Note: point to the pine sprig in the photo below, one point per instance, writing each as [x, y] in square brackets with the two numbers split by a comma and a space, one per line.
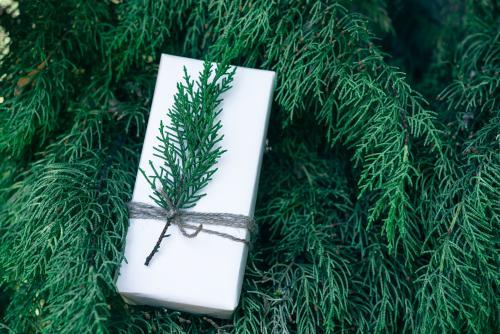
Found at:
[190, 145]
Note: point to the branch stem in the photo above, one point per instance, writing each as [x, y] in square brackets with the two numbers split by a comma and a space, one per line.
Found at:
[158, 243]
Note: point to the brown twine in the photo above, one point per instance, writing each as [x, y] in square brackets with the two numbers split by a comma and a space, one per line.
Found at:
[188, 220]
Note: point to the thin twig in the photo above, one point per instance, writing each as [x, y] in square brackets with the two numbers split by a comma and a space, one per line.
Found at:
[158, 243]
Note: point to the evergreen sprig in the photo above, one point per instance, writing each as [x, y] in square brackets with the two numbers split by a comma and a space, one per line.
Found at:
[189, 145]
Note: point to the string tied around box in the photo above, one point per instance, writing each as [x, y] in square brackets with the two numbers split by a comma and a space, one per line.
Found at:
[189, 220]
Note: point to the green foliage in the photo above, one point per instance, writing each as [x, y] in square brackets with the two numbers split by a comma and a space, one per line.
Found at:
[378, 204]
[190, 145]
[458, 286]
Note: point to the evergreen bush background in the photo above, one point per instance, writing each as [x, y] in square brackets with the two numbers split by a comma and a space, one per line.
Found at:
[379, 197]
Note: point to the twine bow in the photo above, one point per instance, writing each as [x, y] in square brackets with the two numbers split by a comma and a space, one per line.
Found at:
[188, 220]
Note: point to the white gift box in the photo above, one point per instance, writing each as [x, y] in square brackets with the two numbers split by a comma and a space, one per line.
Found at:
[201, 275]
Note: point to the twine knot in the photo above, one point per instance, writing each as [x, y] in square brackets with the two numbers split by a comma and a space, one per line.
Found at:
[188, 220]
[172, 213]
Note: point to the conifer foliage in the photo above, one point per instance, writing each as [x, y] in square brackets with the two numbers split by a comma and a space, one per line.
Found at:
[379, 200]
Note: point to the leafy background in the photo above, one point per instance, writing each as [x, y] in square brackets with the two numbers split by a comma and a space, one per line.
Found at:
[378, 204]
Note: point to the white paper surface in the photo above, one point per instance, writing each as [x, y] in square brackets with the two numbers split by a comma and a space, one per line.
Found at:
[204, 274]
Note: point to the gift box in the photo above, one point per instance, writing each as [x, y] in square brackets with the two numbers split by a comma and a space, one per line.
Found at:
[201, 275]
